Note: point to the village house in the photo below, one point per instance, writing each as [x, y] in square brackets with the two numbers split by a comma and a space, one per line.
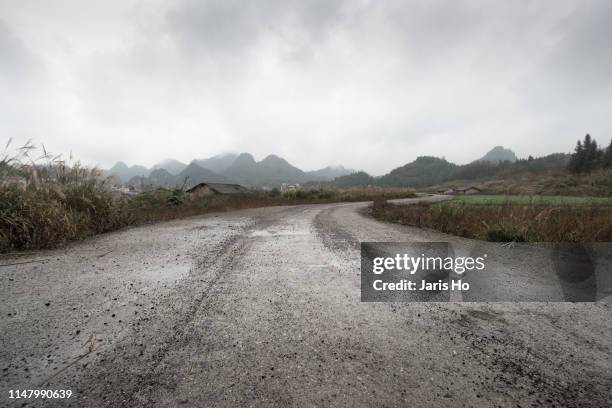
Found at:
[123, 191]
[210, 189]
[471, 190]
[286, 188]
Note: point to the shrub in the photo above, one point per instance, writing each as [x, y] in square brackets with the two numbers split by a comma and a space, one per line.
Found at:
[503, 233]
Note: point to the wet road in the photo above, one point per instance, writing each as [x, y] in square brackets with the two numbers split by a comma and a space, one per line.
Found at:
[262, 308]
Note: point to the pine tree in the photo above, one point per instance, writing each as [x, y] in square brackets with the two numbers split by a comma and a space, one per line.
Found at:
[592, 154]
[576, 164]
[587, 156]
[606, 160]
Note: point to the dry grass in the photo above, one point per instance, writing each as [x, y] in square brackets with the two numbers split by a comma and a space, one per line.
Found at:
[595, 184]
[505, 222]
[63, 201]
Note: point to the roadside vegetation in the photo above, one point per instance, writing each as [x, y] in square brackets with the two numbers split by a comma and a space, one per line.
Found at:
[508, 219]
[46, 201]
[59, 201]
[532, 200]
[597, 183]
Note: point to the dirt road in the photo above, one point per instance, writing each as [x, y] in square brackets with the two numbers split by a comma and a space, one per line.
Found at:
[262, 308]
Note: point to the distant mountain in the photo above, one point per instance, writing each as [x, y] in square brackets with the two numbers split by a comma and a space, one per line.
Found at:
[271, 171]
[358, 179]
[499, 154]
[230, 168]
[277, 168]
[242, 165]
[162, 178]
[424, 171]
[328, 173]
[119, 168]
[218, 164]
[194, 174]
[429, 171]
[274, 170]
[173, 167]
[125, 173]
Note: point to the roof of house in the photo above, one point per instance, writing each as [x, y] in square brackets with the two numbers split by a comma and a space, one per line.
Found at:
[221, 188]
[467, 188]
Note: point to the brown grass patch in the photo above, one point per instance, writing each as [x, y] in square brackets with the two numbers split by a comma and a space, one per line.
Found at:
[505, 222]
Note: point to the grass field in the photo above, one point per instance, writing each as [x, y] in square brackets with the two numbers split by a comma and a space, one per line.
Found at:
[509, 218]
[533, 200]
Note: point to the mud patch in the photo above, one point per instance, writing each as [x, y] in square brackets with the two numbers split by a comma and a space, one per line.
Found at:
[533, 373]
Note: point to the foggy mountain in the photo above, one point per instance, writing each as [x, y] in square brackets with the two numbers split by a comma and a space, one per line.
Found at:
[157, 177]
[218, 163]
[226, 168]
[195, 174]
[329, 173]
[499, 154]
[272, 170]
[125, 173]
[171, 166]
[190, 176]
[243, 165]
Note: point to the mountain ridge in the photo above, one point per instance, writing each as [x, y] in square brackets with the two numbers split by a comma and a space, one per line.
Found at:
[242, 168]
[426, 171]
[172, 166]
[274, 170]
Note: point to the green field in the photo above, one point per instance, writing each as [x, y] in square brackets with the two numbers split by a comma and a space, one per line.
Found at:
[533, 200]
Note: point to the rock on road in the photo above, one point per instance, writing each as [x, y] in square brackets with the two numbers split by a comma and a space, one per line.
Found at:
[262, 307]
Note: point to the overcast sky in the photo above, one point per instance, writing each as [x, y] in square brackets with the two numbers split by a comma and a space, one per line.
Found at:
[367, 84]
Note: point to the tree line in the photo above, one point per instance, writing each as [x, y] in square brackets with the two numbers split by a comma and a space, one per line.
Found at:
[588, 156]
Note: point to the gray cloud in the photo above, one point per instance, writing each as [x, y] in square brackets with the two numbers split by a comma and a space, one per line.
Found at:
[17, 64]
[368, 84]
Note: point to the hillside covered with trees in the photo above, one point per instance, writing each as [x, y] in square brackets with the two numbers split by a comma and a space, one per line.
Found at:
[427, 171]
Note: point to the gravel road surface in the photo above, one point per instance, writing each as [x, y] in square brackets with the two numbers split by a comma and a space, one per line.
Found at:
[262, 308]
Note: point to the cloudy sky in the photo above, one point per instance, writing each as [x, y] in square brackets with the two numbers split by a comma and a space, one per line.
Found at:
[367, 84]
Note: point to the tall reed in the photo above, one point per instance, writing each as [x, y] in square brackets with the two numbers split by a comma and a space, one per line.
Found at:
[62, 200]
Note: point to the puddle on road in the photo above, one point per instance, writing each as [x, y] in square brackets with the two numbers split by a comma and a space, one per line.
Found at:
[274, 233]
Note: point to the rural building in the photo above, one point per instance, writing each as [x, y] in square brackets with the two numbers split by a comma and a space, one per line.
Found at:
[471, 190]
[286, 188]
[123, 191]
[209, 189]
